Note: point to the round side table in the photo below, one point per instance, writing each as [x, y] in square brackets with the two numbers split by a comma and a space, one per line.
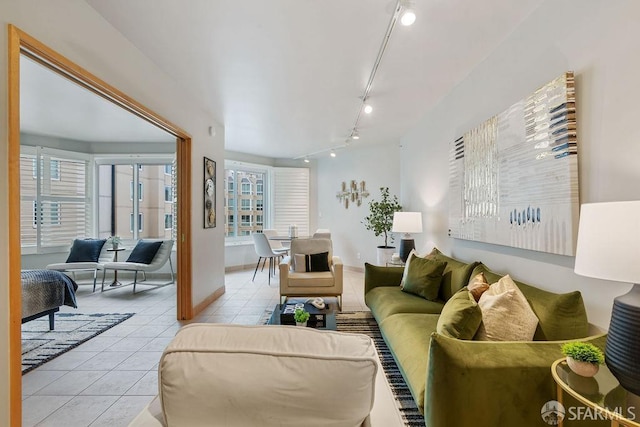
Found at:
[115, 259]
[601, 395]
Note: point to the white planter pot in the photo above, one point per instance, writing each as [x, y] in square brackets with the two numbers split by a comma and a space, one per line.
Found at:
[301, 323]
[584, 369]
[385, 254]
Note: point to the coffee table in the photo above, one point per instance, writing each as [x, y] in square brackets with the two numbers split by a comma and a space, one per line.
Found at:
[320, 319]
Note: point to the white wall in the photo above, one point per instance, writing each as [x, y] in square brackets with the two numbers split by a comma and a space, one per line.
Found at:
[378, 167]
[599, 41]
[75, 30]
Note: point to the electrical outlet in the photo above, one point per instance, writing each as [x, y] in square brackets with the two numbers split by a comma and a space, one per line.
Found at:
[358, 255]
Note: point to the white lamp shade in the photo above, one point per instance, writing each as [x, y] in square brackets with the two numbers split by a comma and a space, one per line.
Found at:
[609, 241]
[407, 222]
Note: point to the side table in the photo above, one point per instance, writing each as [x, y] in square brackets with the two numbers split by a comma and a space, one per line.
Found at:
[115, 259]
[601, 396]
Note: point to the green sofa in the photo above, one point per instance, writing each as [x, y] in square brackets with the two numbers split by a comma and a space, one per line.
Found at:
[473, 383]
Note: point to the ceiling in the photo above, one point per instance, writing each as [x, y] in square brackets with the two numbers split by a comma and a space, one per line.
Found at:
[53, 105]
[284, 77]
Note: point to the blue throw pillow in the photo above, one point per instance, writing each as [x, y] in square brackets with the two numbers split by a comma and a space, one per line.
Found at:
[87, 250]
[144, 252]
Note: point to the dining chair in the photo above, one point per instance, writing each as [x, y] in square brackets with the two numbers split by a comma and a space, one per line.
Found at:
[276, 245]
[263, 249]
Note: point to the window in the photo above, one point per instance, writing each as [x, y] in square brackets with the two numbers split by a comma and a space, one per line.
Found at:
[246, 187]
[246, 220]
[140, 187]
[54, 207]
[139, 222]
[54, 167]
[154, 206]
[259, 204]
[246, 204]
[259, 220]
[168, 169]
[259, 187]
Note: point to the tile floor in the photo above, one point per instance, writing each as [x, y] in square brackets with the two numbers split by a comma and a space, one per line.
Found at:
[109, 379]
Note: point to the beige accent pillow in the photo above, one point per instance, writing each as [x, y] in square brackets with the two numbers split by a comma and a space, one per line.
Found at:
[477, 286]
[298, 263]
[506, 314]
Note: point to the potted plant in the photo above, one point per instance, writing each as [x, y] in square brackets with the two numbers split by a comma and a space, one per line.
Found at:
[583, 358]
[301, 316]
[380, 221]
[115, 241]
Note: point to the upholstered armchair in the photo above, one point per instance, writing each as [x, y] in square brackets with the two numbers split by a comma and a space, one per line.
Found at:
[311, 270]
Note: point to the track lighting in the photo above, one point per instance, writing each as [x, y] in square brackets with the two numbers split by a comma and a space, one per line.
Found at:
[408, 16]
[368, 108]
[355, 134]
[332, 154]
[306, 160]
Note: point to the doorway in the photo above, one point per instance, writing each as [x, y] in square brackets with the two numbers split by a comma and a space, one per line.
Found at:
[21, 43]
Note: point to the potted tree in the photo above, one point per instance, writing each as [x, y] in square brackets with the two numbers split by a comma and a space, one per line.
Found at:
[583, 358]
[301, 316]
[380, 221]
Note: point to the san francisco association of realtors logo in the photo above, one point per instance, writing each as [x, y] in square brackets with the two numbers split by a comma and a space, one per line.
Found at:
[552, 412]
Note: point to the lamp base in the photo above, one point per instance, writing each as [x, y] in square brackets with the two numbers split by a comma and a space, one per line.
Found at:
[623, 341]
[406, 245]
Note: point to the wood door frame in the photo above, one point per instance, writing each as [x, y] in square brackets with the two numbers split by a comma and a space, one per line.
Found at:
[21, 43]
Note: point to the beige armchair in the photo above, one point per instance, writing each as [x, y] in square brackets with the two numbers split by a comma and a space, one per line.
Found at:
[295, 281]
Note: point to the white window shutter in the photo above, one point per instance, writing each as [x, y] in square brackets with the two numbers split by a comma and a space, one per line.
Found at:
[291, 200]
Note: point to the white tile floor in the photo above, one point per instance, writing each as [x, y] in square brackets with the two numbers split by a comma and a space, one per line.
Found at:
[109, 379]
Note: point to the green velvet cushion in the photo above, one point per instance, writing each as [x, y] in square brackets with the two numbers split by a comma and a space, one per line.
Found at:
[460, 317]
[560, 316]
[456, 275]
[408, 338]
[424, 277]
[385, 301]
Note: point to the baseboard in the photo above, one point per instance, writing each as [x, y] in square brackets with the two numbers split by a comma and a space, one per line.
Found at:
[208, 300]
[353, 268]
[232, 268]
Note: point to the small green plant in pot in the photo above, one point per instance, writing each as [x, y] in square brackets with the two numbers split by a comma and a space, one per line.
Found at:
[583, 358]
[301, 316]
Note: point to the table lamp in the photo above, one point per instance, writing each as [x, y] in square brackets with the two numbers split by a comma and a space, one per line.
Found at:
[609, 248]
[407, 222]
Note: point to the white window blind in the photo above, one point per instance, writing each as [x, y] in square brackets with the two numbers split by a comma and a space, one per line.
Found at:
[55, 206]
[291, 200]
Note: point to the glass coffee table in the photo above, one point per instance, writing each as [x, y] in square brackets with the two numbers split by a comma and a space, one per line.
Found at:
[320, 318]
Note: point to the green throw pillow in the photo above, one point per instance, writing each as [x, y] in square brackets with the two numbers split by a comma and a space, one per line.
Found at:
[424, 278]
[460, 317]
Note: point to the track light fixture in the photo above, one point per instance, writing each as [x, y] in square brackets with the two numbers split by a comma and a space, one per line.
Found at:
[404, 12]
[306, 160]
[408, 16]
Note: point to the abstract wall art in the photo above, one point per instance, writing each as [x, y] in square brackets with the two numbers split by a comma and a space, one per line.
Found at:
[514, 178]
[209, 193]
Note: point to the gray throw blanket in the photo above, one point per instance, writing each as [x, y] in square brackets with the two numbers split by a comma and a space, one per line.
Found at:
[46, 289]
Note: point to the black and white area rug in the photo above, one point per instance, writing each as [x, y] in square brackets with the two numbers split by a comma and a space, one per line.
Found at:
[39, 344]
[363, 322]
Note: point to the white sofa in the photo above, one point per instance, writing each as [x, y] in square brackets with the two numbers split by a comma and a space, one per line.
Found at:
[235, 375]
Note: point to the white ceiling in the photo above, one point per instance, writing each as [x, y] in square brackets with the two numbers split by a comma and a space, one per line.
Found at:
[285, 76]
[55, 106]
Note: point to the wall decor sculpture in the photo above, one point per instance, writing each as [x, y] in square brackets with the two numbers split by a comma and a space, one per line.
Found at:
[514, 179]
[209, 193]
[354, 192]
